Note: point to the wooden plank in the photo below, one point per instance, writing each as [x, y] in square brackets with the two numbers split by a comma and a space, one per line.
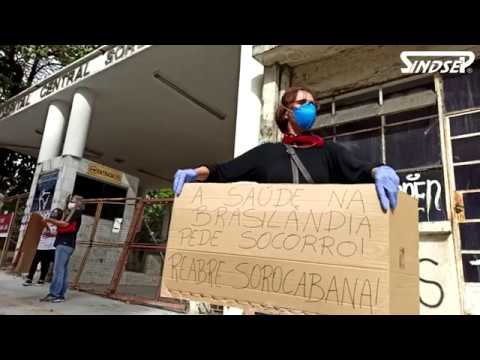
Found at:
[29, 243]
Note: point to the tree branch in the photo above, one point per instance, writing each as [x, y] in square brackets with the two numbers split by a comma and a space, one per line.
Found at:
[33, 71]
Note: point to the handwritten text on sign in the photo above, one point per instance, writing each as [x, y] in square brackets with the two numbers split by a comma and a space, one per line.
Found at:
[308, 247]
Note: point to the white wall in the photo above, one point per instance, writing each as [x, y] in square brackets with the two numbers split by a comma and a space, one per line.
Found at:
[247, 128]
[249, 104]
[439, 288]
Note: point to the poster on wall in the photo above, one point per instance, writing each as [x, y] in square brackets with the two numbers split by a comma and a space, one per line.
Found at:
[42, 200]
[5, 222]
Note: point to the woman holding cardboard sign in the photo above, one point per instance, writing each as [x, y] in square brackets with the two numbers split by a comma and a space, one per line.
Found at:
[302, 157]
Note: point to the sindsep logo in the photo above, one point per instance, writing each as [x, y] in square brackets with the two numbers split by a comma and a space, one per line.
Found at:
[451, 62]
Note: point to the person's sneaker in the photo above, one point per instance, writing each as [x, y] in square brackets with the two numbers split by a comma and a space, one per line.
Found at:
[28, 282]
[49, 297]
[58, 300]
[40, 282]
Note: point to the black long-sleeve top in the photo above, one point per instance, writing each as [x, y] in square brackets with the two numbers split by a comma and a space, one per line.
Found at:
[67, 235]
[270, 163]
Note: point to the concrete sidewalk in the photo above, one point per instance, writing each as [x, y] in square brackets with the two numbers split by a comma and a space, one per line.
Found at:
[16, 299]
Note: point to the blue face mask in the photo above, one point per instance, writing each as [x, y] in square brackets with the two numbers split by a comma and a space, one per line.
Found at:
[305, 115]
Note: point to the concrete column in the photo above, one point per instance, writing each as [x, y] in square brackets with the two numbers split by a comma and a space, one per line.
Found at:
[270, 93]
[53, 132]
[79, 123]
[249, 114]
[249, 103]
[285, 83]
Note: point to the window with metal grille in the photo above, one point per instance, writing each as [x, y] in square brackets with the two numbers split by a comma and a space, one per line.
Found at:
[396, 124]
[462, 103]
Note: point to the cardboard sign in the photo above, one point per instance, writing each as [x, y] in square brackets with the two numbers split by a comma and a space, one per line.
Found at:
[5, 222]
[319, 249]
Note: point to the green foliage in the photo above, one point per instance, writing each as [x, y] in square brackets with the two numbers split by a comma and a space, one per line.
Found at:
[20, 67]
[16, 172]
[157, 210]
[23, 65]
[154, 214]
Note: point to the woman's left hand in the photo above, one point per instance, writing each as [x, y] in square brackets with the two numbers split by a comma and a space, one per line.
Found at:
[386, 183]
[181, 177]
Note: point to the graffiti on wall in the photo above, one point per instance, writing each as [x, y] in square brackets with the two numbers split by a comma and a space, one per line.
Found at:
[432, 302]
[427, 187]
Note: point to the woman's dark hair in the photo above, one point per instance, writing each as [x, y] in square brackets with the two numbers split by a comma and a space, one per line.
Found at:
[285, 102]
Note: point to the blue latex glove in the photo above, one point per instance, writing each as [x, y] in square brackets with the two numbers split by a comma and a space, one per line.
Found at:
[182, 177]
[387, 182]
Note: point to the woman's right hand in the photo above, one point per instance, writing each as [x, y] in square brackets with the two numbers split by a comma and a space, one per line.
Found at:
[181, 177]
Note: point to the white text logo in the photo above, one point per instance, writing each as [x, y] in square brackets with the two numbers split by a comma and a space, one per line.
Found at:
[457, 62]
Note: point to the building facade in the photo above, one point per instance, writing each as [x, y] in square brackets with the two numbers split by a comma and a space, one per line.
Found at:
[128, 116]
[424, 125]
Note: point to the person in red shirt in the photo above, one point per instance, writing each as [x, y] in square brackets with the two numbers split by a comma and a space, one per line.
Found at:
[67, 230]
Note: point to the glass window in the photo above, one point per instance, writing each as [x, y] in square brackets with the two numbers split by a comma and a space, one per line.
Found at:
[471, 202]
[410, 115]
[462, 91]
[414, 144]
[325, 109]
[367, 146]
[411, 140]
[465, 124]
[470, 236]
[466, 149]
[471, 267]
[368, 123]
[467, 177]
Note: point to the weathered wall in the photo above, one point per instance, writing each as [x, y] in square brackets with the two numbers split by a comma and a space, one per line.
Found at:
[359, 67]
[472, 294]
[355, 68]
[439, 291]
[102, 260]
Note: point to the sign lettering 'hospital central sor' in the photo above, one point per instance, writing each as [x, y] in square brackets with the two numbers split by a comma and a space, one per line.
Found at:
[70, 77]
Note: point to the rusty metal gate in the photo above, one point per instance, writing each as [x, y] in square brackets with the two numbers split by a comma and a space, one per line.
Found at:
[126, 265]
[15, 207]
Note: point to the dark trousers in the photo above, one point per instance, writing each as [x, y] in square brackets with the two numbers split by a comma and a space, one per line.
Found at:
[44, 257]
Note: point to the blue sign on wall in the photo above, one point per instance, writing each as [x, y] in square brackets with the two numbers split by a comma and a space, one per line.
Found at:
[42, 200]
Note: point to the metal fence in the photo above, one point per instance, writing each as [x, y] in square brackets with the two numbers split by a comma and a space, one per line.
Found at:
[15, 207]
[125, 262]
[120, 250]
